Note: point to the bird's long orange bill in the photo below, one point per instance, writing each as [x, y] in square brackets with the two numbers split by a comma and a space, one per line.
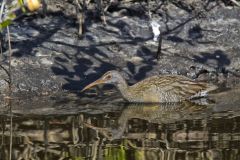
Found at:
[99, 81]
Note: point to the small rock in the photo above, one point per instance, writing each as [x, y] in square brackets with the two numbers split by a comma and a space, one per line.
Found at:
[55, 53]
[16, 62]
[136, 59]
[31, 32]
[45, 61]
[123, 12]
[39, 54]
[115, 14]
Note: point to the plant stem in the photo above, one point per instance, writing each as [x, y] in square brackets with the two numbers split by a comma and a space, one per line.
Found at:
[9, 64]
[235, 2]
[2, 8]
[10, 91]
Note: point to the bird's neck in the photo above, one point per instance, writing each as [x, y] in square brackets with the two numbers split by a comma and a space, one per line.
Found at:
[122, 87]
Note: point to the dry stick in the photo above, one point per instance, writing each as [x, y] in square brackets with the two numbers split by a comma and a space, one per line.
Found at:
[10, 92]
[2, 8]
[159, 51]
[1, 47]
[88, 1]
[81, 22]
[46, 141]
[235, 2]
[80, 17]
[1, 14]
[9, 64]
[104, 12]
[149, 12]
[104, 17]
[3, 131]
[11, 134]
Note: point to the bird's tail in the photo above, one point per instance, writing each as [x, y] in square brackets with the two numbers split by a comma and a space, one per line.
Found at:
[211, 87]
[206, 89]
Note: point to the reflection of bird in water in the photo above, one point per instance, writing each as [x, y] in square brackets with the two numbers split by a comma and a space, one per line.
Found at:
[162, 113]
[165, 113]
[166, 88]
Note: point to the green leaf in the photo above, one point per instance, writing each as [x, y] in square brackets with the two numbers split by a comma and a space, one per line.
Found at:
[12, 16]
[139, 154]
[78, 158]
[21, 4]
[5, 23]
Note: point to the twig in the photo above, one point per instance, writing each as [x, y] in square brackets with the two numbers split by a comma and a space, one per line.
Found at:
[2, 8]
[148, 8]
[9, 64]
[10, 92]
[46, 141]
[3, 131]
[159, 51]
[235, 2]
[81, 7]
[6, 71]
[1, 51]
[11, 130]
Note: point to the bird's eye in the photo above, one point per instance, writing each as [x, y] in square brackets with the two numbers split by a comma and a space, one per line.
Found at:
[108, 77]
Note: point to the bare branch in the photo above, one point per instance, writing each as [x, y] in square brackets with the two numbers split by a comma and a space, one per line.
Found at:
[235, 2]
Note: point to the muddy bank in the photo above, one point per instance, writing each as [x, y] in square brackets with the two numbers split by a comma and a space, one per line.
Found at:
[49, 57]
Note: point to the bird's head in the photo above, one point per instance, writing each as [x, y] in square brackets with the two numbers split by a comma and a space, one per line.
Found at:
[110, 77]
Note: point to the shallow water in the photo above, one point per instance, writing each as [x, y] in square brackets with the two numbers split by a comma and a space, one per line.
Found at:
[70, 129]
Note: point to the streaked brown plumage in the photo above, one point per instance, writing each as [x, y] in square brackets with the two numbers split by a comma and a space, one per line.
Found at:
[165, 88]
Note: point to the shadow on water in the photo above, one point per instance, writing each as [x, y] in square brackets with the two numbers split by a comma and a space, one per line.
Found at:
[71, 129]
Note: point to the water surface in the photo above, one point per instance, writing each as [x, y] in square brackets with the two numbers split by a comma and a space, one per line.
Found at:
[103, 130]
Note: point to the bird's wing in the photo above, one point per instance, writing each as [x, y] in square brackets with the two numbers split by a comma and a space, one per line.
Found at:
[156, 82]
[188, 88]
[171, 84]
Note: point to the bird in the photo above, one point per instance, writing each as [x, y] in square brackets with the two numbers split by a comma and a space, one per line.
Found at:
[156, 89]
